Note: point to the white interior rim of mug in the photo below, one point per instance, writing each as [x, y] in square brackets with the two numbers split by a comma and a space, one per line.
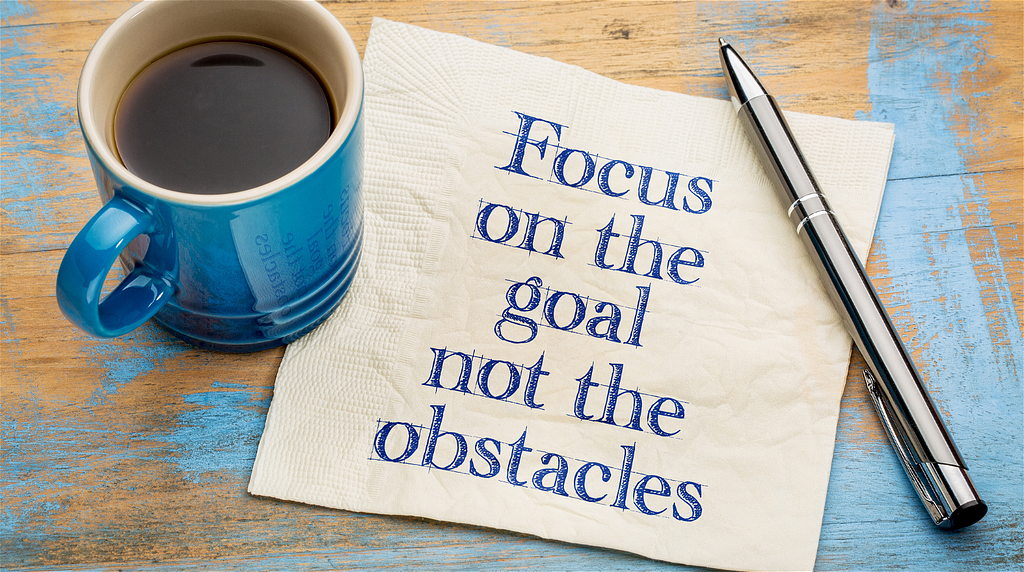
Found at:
[154, 28]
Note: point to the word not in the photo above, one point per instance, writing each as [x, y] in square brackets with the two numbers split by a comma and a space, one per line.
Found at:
[397, 442]
[654, 413]
[507, 227]
[565, 311]
[684, 255]
[586, 167]
[512, 372]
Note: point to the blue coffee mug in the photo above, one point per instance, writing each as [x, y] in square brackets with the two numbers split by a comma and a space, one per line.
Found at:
[235, 272]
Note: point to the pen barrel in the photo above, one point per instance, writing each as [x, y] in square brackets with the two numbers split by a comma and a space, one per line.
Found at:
[926, 449]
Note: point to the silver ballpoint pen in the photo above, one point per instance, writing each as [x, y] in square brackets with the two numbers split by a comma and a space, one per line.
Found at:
[911, 422]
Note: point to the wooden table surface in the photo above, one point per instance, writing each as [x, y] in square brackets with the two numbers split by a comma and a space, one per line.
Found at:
[134, 453]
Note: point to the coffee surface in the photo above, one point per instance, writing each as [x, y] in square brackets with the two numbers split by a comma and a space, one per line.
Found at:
[220, 117]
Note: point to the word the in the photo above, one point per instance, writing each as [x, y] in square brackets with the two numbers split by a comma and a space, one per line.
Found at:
[654, 413]
[685, 255]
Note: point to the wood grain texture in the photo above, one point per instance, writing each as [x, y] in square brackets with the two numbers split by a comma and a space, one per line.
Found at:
[134, 453]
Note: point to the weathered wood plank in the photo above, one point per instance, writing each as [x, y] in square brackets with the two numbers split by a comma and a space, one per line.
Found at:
[943, 237]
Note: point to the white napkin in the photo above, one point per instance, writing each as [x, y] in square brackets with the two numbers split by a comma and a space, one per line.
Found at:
[468, 374]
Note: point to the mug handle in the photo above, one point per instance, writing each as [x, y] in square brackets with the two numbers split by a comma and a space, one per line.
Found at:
[92, 254]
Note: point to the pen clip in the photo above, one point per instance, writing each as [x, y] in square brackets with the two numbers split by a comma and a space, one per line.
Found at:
[903, 451]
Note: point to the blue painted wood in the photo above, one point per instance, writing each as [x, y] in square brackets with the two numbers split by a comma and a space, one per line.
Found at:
[966, 342]
[134, 453]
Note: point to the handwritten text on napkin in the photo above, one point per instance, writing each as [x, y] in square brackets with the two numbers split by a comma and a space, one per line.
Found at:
[530, 305]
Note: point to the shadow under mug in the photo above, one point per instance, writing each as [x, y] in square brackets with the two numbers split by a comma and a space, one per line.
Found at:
[235, 272]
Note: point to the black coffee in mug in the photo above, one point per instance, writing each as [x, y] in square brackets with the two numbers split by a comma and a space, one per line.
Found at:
[220, 117]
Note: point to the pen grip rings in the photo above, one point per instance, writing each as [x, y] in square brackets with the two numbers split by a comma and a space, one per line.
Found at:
[807, 207]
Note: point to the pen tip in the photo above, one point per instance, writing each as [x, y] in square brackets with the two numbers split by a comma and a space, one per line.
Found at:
[722, 43]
